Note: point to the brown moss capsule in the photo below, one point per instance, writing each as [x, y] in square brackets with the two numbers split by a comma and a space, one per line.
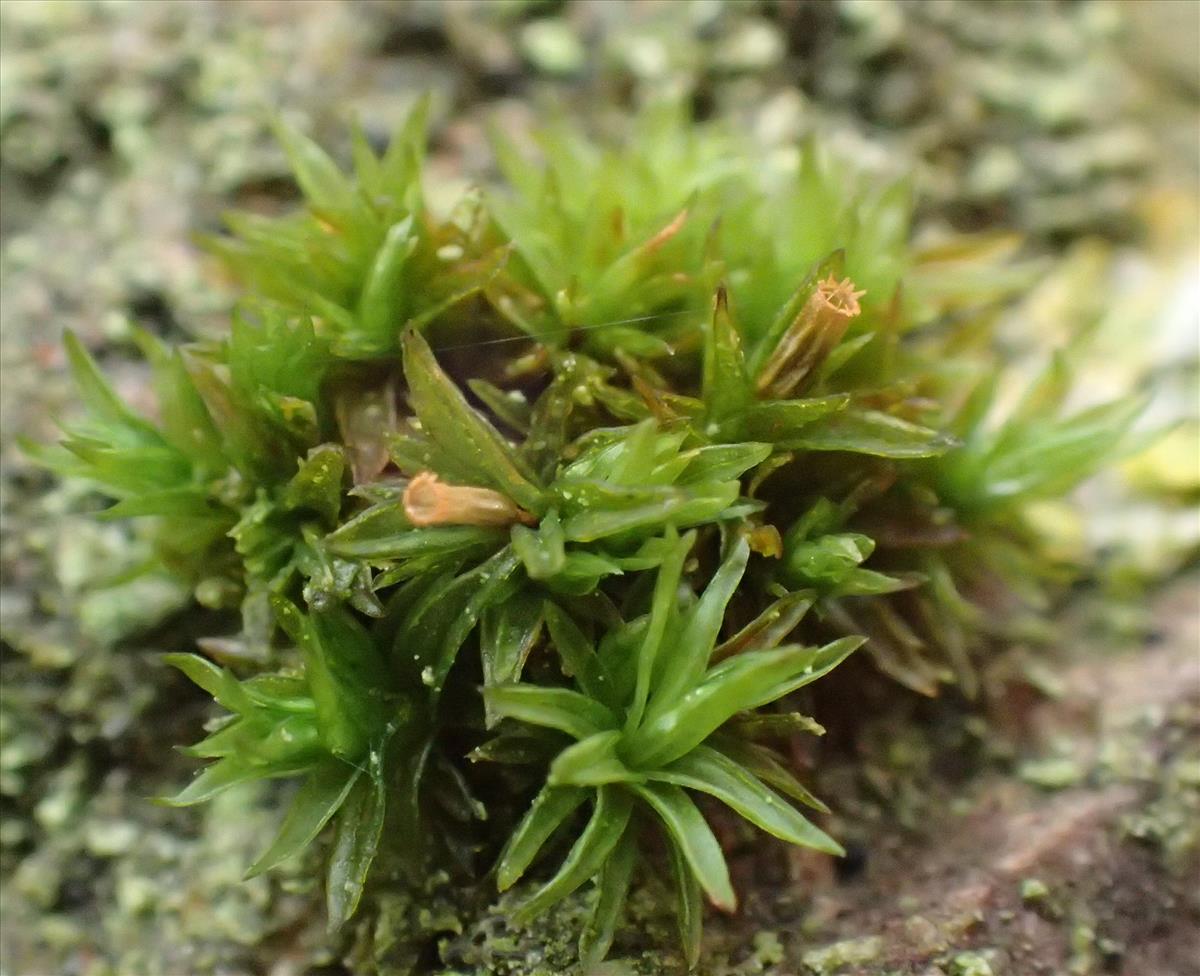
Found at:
[839, 297]
[429, 501]
[810, 338]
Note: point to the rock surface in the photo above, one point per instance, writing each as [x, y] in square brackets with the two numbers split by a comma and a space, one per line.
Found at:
[1064, 842]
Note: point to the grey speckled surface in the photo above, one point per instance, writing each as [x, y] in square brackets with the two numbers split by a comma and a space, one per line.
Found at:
[126, 126]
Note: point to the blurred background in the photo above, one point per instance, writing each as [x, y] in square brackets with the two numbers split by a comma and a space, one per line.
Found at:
[126, 127]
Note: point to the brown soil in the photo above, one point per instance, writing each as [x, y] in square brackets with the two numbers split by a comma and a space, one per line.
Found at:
[1085, 863]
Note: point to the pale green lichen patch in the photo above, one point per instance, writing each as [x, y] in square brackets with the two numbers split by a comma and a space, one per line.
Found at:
[971, 964]
[1033, 891]
[768, 950]
[831, 959]
[1056, 773]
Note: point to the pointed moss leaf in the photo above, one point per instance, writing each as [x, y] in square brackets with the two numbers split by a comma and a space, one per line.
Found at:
[532, 246]
[459, 431]
[630, 461]
[257, 444]
[743, 682]
[549, 811]
[771, 627]
[778, 725]
[632, 342]
[613, 889]
[763, 763]
[322, 794]
[867, 582]
[689, 904]
[721, 462]
[123, 472]
[507, 633]
[216, 779]
[401, 163]
[593, 761]
[414, 453]
[1046, 393]
[618, 653]
[438, 634]
[582, 572]
[821, 518]
[383, 301]
[425, 567]
[519, 747]
[404, 796]
[192, 503]
[587, 857]
[552, 708]
[217, 681]
[345, 673]
[712, 772]
[320, 180]
[105, 406]
[578, 655]
[268, 739]
[725, 382]
[286, 691]
[780, 421]
[468, 280]
[185, 419]
[129, 468]
[673, 728]
[1051, 459]
[355, 843]
[968, 421]
[870, 432]
[695, 838]
[677, 506]
[841, 354]
[278, 353]
[824, 660]
[317, 486]
[234, 739]
[687, 649]
[294, 416]
[511, 407]
[619, 280]
[661, 608]
[367, 170]
[518, 171]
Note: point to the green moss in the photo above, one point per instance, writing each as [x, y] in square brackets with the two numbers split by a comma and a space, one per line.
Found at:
[673, 531]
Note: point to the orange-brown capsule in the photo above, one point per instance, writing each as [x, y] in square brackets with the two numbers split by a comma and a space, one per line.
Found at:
[429, 501]
[814, 333]
[839, 296]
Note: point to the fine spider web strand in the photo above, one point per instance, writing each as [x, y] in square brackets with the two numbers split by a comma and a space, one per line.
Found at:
[353, 765]
[391, 729]
[538, 336]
